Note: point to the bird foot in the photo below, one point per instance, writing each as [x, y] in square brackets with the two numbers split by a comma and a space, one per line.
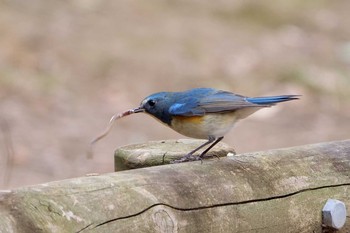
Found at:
[189, 157]
[186, 158]
[205, 156]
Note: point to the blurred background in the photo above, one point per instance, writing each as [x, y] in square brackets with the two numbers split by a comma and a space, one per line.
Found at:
[67, 66]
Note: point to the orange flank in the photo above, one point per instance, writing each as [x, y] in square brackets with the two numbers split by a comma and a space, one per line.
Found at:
[190, 119]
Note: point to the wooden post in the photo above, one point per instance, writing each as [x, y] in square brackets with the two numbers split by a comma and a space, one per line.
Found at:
[271, 191]
[156, 153]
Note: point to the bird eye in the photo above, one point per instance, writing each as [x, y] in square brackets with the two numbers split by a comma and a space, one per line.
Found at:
[151, 103]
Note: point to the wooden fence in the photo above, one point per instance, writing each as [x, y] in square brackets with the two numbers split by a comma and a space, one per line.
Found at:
[277, 191]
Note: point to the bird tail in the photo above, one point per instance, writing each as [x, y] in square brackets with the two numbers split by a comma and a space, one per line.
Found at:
[271, 100]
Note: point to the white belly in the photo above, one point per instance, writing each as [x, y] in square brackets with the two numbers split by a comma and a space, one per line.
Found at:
[212, 124]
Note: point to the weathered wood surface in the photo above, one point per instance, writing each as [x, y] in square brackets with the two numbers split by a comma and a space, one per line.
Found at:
[156, 153]
[272, 191]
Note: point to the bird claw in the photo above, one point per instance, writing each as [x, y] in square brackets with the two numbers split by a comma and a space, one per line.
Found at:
[189, 158]
[186, 158]
[206, 156]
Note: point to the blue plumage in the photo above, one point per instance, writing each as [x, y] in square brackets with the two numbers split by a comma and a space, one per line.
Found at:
[271, 100]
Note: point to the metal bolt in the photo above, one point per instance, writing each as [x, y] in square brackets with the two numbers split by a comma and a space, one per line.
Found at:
[334, 214]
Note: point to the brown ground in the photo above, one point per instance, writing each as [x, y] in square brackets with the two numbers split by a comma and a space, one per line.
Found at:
[67, 66]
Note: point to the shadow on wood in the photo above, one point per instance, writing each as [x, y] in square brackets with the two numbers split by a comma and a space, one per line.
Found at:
[271, 191]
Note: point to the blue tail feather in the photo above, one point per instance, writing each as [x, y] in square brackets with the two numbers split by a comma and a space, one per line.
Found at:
[270, 100]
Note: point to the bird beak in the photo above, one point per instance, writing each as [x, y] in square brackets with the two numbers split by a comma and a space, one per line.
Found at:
[139, 109]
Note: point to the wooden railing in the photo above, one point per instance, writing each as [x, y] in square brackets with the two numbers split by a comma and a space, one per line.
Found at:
[272, 191]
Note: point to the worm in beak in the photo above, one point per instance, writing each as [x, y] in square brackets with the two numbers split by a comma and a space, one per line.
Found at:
[111, 122]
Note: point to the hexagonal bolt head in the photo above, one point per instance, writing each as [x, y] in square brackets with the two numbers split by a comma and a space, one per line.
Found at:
[334, 214]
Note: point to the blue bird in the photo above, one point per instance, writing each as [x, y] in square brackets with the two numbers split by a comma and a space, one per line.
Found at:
[203, 113]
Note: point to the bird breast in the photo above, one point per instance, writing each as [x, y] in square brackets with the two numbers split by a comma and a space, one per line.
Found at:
[211, 124]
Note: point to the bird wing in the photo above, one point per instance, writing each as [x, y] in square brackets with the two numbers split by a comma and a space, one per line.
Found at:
[212, 102]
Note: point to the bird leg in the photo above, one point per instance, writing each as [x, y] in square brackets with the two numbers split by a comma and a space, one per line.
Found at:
[211, 146]
[190, 157]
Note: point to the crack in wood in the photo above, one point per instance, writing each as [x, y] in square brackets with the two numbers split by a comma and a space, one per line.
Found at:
[215, 205]
[49, 208]
[84, 228]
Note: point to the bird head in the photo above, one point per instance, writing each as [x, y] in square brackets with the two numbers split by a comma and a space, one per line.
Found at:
[157, 105]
